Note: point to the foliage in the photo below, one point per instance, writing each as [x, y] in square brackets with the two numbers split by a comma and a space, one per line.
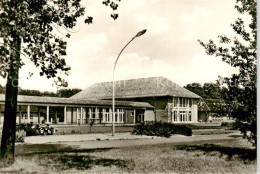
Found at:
[161, 129]
[66, 93]
[20, 136]
[33, 22]
[27, 28]
[32, 130]
[36, 93]
[240, 52]
[208, 90]
[242, 153]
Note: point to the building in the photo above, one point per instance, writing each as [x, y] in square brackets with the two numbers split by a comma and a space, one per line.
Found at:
[172, 102]
[54, 110]
[203, 111]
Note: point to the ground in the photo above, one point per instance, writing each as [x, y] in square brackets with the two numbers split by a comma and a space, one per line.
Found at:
[207, 151]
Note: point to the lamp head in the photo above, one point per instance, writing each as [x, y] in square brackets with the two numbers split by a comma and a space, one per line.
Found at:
[140, 33]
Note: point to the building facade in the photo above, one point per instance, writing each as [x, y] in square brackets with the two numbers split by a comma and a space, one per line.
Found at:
[137, 101]
[53, 110]
[171, 102]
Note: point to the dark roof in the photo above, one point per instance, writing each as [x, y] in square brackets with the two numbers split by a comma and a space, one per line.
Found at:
[202, 106]
[135, 88]
[69, 101]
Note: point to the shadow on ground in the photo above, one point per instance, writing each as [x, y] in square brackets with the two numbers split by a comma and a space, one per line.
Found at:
[243, 154]
[65, 157]
[82, 162]
[32, 149]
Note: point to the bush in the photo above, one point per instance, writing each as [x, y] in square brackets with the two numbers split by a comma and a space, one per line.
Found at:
[161, 129]
[27, 128]
[37, 129]
[20, 136]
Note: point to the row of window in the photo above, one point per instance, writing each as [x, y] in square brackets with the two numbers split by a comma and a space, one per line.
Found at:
[182, 102]
[103, 114]
[181, 116]
[25, 116]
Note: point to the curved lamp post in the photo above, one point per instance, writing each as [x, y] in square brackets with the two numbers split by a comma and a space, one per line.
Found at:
[140, 33]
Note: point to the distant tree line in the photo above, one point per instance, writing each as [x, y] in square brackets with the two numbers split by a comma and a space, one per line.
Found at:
[207, 90]
[64, 93]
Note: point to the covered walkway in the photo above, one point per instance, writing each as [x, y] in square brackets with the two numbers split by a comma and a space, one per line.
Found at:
[54, 110]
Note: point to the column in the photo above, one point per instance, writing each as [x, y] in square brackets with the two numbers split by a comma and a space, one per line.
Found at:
[48, 114]
[39, 115]
[81, 115]
[65, 114]
[134, 115]
[110, 115]
[28, 114]
[77, 115]
[117, 115]
[90, 115]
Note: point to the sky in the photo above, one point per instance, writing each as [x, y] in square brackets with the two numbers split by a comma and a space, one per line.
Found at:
[169, 48]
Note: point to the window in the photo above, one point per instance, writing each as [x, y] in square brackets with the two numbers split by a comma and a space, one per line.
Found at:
[190, 102]
[106, 115]
[79, 112]
[25, 116]
[92, 113]
[181, 101]
[182, 116]
[184, 102]
[174, 116]
[132, 114]
[175, 101]
[87, 115]
[119, 115]
[116, 115]
[189, 116]
[31, 116]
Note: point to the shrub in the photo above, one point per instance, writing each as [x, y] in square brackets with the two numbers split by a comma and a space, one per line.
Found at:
[27, 128]
[20, 136]
[32, 130]
[161, 129]
[223, 123]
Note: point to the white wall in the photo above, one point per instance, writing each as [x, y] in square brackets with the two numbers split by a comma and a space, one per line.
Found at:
[149, 115]
[194, 117]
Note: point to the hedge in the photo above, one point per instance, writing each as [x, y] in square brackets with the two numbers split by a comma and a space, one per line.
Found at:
[161, 129]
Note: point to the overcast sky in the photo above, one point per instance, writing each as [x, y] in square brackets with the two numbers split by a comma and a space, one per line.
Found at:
[169, 48]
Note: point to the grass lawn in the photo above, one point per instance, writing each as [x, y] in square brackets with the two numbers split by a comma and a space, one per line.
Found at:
[215, 156]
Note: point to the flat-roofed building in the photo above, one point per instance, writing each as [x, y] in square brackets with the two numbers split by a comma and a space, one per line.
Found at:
[54, 110]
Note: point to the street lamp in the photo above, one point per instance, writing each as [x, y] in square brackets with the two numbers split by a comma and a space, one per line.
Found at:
[140, 33]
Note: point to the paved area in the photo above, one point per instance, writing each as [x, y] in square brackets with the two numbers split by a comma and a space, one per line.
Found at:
[82, 137]
[175, 139]
[87, 141]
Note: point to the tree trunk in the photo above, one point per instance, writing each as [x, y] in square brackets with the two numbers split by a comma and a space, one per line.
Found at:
[9, 128]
